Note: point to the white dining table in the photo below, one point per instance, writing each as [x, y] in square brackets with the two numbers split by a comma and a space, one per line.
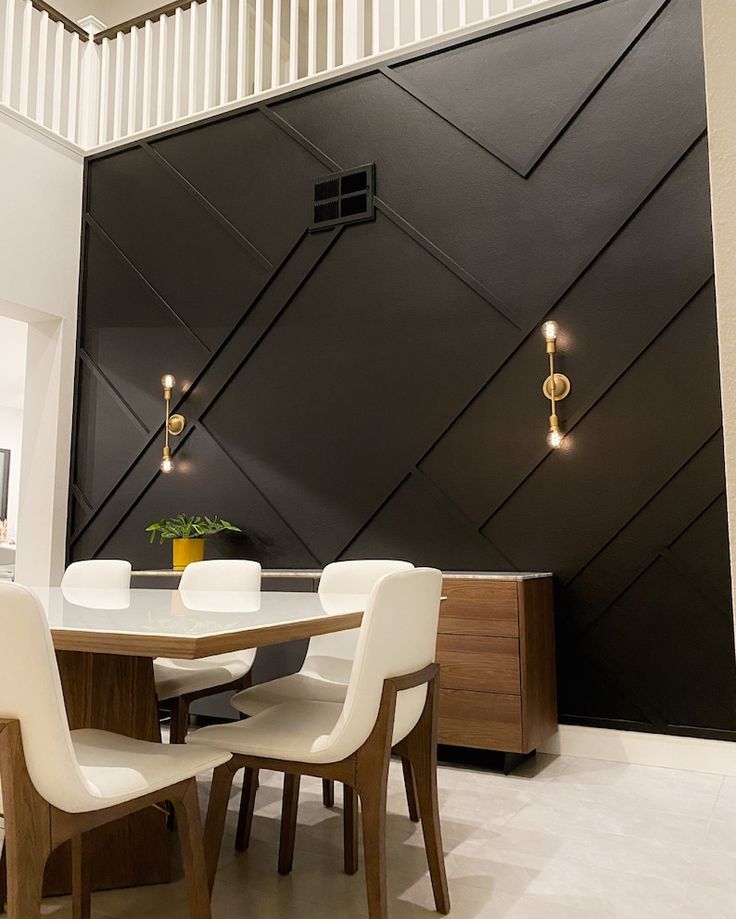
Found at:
[106, 641]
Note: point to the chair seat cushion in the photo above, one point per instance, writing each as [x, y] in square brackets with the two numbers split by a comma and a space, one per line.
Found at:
[293, 688]
[177, 677]
[118, 768]
[294, 731]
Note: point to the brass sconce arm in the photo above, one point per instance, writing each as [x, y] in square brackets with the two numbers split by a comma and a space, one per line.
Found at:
[174, 424]
[556, 387]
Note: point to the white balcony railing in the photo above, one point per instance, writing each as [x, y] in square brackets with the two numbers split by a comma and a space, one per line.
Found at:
[180, 63]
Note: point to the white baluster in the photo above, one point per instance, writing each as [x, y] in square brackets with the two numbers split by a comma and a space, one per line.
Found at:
[312, 39]
[147, 68]
[58, 76]
[463, 13]
[163, 27]
[90, 95]
[71, 124]
[258, 55]
[133, 81]
[104, 91]
[294, 41]
[440, 16]
[178, 39]
[353, 31]
[117, 111]
[486, 9]
[25, 57]
[8, 51]
[417, 20]
[276, 44]
[225, 52]
[376, 27]
[397, 23]
[209, 51]
[193, 40]
[241, 78]
[41, 65]
[331, 30]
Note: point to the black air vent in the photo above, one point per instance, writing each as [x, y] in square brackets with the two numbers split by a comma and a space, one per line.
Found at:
[344, 197]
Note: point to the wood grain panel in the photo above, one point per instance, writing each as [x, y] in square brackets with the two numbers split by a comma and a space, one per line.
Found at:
[479, 608]
[490, 721]
[479, 663]
[537, 654]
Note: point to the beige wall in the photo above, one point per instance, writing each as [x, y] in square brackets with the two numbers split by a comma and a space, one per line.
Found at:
[719, 24]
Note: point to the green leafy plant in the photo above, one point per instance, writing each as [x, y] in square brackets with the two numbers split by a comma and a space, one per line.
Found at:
[183, 527]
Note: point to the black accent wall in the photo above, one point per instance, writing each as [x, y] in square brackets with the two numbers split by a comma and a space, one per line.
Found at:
[375, 390]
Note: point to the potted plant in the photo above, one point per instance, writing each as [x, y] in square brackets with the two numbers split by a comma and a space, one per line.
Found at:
[188, 535]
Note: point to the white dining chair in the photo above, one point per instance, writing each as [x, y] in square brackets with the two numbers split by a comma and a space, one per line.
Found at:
[391, 702]
[180, 682]
[107, 573]
[324, 676]
[58, 784]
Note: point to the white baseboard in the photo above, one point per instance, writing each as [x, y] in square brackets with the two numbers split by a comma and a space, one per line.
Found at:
[690, 753]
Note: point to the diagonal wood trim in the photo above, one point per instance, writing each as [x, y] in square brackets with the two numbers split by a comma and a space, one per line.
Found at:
[103, 234]
[432, 248]
[121, 401]
[590, 624]
[659, 491]
[443, 258]
[239, 237]
[81, 497]
[223, 449]
[524, 169]
[233, 349]
[683, 572]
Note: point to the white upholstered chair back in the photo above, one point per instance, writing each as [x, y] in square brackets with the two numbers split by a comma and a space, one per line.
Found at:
[331, 656]
[98, 573]
[30, 691]
[397, 637]
[222, 574]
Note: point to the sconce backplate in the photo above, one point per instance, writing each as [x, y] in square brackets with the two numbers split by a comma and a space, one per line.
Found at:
[176, 424]
[561, 387]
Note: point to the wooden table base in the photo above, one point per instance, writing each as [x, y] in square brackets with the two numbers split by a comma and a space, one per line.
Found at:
[114, 693]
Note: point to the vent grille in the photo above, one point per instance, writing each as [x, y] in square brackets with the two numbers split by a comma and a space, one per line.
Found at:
[344, 197]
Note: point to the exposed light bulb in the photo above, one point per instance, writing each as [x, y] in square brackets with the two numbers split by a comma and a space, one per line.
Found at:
[168, 381]
[550, 330]
[167, 464]
[554, 439]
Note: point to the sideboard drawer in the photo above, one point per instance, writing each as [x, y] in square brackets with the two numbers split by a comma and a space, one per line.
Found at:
[475, 662]
[479, 608]
[490, 721]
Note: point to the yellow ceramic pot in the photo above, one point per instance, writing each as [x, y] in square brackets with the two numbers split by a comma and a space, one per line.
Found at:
[186, 551]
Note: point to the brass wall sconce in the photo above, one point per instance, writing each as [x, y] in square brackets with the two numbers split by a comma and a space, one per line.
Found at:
[556, 387]
[174, 423]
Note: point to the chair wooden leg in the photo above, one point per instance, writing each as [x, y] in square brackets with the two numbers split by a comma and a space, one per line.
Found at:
[81, 880]
[410, 783]
[328, 792]
[421, 748]
[247, 806]
[3, 880]
[289, 811]
[214, 827]
[373, 819]
[350, 829]
[189, 822]
[179, 720]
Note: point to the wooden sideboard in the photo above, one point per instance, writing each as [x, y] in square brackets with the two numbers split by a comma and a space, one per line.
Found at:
[496, 650]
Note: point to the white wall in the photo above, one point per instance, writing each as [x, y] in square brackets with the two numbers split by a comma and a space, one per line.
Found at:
[719, 26]
[41, 194]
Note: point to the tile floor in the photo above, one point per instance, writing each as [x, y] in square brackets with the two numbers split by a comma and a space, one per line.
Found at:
[560, 839]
